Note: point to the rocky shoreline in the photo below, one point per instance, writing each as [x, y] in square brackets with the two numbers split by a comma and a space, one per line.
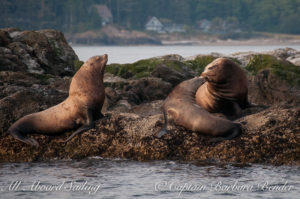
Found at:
[134, 95]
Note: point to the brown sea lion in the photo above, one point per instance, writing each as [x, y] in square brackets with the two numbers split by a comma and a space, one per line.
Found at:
[225, 90]
[181, 106]
[79, 110]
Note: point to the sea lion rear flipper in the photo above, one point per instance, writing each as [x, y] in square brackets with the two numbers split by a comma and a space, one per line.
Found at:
[164, 130]
[78, 131]
[24, 139]
[90, 125]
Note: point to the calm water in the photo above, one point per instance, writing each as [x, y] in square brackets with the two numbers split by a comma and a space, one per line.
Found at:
[129, 54]
[99, 178]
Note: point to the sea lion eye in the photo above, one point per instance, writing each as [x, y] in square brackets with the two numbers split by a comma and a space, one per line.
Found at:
[212, 67]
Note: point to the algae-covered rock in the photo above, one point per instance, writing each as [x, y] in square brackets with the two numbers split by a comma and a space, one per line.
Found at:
[150, 67]
[199, 62]
[269, 136]
[133, 116]
[281, 68]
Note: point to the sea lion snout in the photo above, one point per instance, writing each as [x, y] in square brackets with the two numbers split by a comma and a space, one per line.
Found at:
[103, 57]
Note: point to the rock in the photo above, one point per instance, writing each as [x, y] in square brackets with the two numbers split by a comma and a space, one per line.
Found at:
[133, 115]
[21, 94]
[282, 69]
[146, 89]
[10, 61]
[244, 57]
[4, 38]
[266, 88]
[169, 75]
[269, 137]
[41, 52]
[25, 54]
[283, 53]
[172, 57]
[168, 68]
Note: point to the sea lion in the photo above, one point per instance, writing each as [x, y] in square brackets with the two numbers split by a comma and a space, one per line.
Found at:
[181, 106]
[81, 108]
[225, 90]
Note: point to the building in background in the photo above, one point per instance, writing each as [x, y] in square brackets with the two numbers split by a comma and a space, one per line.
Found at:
[104, 13]
[154, 25]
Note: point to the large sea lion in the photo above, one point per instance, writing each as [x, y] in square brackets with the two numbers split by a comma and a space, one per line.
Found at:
[225, 90]
[79, 110]
[181, 106]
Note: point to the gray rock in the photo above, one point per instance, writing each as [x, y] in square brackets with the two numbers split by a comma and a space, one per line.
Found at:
[41, 52]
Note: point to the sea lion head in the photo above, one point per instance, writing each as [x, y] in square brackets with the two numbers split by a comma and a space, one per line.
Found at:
[219, 71]
[98, 62]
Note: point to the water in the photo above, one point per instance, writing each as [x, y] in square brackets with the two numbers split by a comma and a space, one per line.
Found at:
[100, 178]
[130, 54]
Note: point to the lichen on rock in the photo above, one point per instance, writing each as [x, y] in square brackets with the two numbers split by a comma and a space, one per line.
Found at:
[41, 52]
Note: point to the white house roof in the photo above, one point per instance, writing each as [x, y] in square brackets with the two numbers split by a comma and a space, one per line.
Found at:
[154, 22]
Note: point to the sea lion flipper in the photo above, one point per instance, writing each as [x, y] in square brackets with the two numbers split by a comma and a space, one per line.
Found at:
[90, 125]
[164, 130]
[78, 131]
[24, 139]
[236, 131]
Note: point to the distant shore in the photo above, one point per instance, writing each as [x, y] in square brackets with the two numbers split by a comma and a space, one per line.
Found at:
[116, 36]
[230, 42]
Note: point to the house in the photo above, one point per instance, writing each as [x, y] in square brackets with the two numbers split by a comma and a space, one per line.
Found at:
[104, 13]
[167, 26]
[154, 25]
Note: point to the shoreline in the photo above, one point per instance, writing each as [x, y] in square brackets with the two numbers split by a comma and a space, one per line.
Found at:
[251, 42]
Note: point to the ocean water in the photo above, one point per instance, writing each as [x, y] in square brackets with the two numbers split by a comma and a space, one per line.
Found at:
[101, 178]
[95, 177]
[130, 54]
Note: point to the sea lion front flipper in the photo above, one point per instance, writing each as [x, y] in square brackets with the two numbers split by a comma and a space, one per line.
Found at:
[90, 124]
[164, 130]
[24, 139]
[235, 132]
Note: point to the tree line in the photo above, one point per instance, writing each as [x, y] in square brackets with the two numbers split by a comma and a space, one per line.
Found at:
[280, 16]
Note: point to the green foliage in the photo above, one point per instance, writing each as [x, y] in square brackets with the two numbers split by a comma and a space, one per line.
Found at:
[199, 63]
[77, 15]
[283, 69]
[78, 64]
[142, 68]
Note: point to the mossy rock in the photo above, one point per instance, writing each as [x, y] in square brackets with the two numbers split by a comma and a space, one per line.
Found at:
[198, 64]
[78, 64]
[142, 68]
[281, 68]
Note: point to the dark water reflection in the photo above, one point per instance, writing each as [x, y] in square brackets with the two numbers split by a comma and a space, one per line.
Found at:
[99, 178]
